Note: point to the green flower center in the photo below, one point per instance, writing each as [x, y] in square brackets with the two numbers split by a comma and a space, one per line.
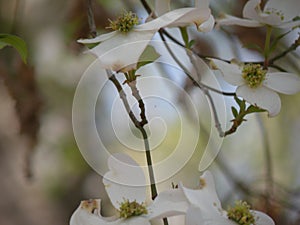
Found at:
[125, 22]
[129, 209]
[254, 75]
[241, 214]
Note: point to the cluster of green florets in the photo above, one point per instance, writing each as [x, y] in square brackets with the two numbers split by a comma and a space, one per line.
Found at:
[254, 74]
[125, 22]
[241, 214]
[129, 209]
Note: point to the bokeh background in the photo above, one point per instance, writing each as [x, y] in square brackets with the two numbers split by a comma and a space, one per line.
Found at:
[43, 174]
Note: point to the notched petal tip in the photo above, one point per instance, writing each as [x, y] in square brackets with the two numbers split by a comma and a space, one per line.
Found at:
[207, 26]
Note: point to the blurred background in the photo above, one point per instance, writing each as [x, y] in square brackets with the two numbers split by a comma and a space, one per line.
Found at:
[43, 174]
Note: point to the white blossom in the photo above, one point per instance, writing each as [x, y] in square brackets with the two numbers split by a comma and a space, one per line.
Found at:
[125, 184]
[258, 86]
[205, 206]
[120, 51]
[276, 13]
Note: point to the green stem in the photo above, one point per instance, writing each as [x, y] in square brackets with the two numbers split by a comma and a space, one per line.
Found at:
[267, 45]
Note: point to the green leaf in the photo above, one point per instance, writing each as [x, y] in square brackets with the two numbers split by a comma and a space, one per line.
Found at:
[296, 18]
[234, 112]
[16, 42]
[241, 103]
[91, 45]
[148, 56]
[253, 109]
[191, 43]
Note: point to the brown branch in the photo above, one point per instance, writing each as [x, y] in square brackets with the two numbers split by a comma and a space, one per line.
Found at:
[136, 94]
[140, 127]
[91, 19]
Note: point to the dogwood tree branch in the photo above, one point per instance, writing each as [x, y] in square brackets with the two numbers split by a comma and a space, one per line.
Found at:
[140, 126]
[135, 93]
[200, 85]
[293, 47]
[91, 19]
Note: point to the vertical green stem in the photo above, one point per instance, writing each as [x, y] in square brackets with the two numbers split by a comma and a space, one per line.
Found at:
[267, 46]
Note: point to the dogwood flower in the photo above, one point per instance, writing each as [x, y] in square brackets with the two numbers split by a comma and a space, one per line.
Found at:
[205, 208]
[125, 186]
[276, 13]
[163, 6]
[120, 50]
[257, 85]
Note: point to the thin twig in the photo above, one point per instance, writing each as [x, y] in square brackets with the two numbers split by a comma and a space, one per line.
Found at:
[18, 14]
[91, 19]
[135, 93]
[198, 84]
[146, 7]
[149, 163]
[293, 47]
[140, 127]
[277, 67]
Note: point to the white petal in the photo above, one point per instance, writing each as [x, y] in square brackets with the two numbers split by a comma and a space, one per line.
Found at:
[98, 39]
[262, 218]
[272, 19]
[231, 72]
[289, 25]
[289, 8]
[125, 180]
[205, 198]
[162, 6]
[193, 216]
[261, 97]
[232, 20]
[286, 83]
[140, 220]
[122, 50]
[88, 213]
[168, 203]
[196, 216]
[253, 11]
[208, 25]
[177, 17]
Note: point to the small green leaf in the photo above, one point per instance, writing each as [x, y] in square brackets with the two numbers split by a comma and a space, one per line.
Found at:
[234, 112]
[148, 56]
[241, 103]
[253, 109]
[191, 43]
[16, 42]
[296, 18]
[91, 45]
